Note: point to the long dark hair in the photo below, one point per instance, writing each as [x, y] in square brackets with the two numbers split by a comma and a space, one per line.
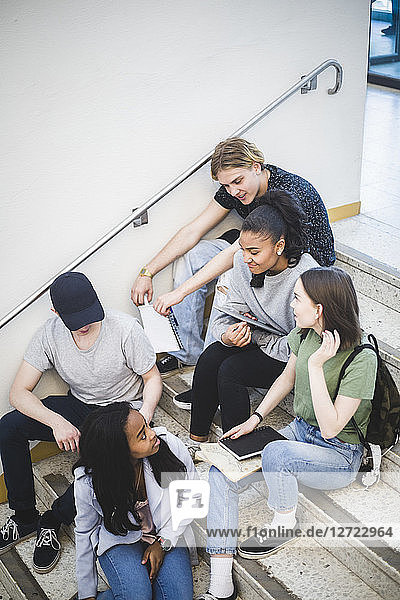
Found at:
[105, 454]
[333, 288]
[279, 214]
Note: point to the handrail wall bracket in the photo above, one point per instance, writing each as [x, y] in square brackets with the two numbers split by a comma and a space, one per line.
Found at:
[305, 84]
[310, 85]
[142, 220]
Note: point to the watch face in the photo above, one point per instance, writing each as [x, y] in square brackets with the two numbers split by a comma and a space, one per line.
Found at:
[165, 544]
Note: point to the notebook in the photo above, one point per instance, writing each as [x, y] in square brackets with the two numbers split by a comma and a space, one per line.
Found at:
[241, 317]
[161, 331]
[251, 444]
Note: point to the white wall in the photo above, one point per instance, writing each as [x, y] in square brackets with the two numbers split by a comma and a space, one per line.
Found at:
[103, 103]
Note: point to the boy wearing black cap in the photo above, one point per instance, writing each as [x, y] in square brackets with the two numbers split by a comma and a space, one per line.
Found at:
[104, 357]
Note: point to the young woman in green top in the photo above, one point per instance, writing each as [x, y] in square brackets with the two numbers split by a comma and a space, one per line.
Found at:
[322, 449]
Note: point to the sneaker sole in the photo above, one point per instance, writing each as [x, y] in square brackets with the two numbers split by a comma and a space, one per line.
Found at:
[49, 567]
[21, 539]
[260, 555]
[184, 405]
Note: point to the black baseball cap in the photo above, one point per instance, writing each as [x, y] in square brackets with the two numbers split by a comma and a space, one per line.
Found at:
[75, 300]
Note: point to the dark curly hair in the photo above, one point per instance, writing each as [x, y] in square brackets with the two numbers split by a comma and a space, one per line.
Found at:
[279, 215]
[105, 454]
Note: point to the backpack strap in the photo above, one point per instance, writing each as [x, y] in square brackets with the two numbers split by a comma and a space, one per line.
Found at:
[346, 363]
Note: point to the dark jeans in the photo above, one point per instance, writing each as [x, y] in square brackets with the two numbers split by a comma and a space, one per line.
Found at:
[222, 376]
[16, 431]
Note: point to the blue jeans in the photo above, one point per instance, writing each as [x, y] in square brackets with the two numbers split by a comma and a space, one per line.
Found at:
[305, 457]
[309, 459]
[189, 313]
[129, 579]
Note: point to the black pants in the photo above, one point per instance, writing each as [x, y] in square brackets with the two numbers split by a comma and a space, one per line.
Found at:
[16, 431]
[222, 376]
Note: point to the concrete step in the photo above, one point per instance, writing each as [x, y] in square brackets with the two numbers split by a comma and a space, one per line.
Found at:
[370, 237]
[377, 565]
[374, 279]
[372, 260]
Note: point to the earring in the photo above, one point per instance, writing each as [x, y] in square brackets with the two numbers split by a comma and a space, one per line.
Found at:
[279, 252]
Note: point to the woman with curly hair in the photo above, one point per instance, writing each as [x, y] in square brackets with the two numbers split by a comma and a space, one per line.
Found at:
[123, 511]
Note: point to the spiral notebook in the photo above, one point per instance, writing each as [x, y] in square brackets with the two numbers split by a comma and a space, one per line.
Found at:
[162, 331]
[251, 444]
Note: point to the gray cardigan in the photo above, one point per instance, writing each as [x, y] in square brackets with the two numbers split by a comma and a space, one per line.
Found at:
[93, 539]
[269, 303]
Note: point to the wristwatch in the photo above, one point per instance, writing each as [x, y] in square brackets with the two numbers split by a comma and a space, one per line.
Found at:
[165, 543]
[144, 272]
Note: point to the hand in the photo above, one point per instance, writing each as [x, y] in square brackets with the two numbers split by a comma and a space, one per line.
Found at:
[147, 413]
[237, 334]
[163, 303]
[329, 346]
[242, 429]
[153, 556]
[66, 435]
[143, 286]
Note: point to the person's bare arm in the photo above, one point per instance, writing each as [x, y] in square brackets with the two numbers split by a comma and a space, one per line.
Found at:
[213, 269]
[185, 239]
[278, 390]
[22, 398]
[151, 392]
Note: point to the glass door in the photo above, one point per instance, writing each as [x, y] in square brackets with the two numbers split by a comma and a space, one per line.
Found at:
[384, 45]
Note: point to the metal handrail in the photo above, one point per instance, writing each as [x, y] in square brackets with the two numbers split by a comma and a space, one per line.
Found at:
[305, 84]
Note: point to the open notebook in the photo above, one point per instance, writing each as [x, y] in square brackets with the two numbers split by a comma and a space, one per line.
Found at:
[161, 331]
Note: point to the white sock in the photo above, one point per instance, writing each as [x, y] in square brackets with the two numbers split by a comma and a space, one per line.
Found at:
[221, 582]
[286, 519]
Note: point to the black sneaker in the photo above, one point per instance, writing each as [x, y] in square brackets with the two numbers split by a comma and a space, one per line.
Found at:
[261, 546]
[47, 548]
[168, 364]
[12, 533]
[209, 596]
[184, 400]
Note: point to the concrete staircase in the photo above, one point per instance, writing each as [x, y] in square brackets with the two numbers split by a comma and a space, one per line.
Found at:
[307, 567]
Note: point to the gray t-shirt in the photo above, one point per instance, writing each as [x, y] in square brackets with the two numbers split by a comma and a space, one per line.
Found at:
[269, 303]
[109, 371]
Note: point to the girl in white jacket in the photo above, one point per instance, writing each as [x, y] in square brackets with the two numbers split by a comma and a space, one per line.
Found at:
[123, 511]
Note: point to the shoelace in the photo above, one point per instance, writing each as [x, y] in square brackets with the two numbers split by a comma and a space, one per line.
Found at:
[262, 538]
[48, 537]
[167, 359]
[5, 530]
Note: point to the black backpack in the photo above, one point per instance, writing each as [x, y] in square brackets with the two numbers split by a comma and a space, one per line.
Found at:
[383, 430]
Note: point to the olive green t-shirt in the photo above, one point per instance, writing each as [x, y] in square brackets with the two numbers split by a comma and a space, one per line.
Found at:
[358, 381]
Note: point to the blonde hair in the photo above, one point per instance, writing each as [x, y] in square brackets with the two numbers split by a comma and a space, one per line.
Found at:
[232, 153]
